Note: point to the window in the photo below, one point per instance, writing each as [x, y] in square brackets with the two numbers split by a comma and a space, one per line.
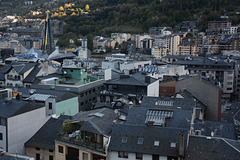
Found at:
[93, 90]
[90, 92]
[50, 157]
[86, 101]
[86, 93]
[49, 105]
[37, 156]
[122, 154]
[71, 70]
[139, 156]
[229, 83]
[156, 143]
[229, 89]
[124, 140]
[37, 148]
[230, 72]
[60, 149]
[230, 78]
[173, 145]
[1, 136]
[140, 141]
[50, 150]
[85, 156]
[94, 98]
[81, 103]
[82, 94]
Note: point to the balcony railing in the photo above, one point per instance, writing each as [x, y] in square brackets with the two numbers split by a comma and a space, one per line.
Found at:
[83, 143]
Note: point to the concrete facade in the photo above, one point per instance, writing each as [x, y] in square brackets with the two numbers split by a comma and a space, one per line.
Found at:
[113, 155]
[44, 153]
[207, 93]
[82, 151]
[22, 127]
[3, 142]
[67, 107]
[174, 42]
[153, 89]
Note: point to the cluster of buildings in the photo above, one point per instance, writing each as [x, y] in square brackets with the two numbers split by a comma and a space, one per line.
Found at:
[220, 37]
[168, 105]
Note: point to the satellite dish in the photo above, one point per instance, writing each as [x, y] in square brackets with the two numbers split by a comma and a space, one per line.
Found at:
[212, 134]
[116, 111]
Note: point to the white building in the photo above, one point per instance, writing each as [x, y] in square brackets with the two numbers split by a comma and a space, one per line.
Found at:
[159, 52]
[19, 121]
[174, 42]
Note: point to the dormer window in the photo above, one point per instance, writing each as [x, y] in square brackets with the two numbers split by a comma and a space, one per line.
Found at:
[140, 141]
[124, 140]
[173, 145]
[156, 143]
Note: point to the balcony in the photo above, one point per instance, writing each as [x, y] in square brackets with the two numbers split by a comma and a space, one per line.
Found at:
[86, 142]
[13, 78]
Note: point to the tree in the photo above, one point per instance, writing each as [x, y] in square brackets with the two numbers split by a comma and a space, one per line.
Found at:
[67, 127]
[189, 34]
[90, 42]
[87, 7]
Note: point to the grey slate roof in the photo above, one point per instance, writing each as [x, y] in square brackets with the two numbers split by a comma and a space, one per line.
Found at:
[201, 148]
[60, 95]
[9, 157]
[181, 117]
[45, 136]
[2, 77]
[220, 129]
[165, 136]
[94, 124]
[63, 56]
[203, 63]
[136, 79]
[17, 107]
[19, 67]
[31, 76]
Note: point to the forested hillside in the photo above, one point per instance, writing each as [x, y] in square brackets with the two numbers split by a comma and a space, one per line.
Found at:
[135, 16]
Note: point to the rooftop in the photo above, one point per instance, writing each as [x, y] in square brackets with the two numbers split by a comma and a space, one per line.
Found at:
[208, 148]
[16, 107]
[216, 129]
[177, 115]
[136, 79]
[45, 136]
[96, 121]
[156, 140]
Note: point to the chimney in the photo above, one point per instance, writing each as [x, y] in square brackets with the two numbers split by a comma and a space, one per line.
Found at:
[193, 117]
[148, 79]
[181, 146]
[19, 96]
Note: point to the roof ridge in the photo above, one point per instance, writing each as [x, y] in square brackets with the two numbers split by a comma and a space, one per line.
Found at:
[95, 126]
[138, 80]
[22, 67]
[231, 145]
